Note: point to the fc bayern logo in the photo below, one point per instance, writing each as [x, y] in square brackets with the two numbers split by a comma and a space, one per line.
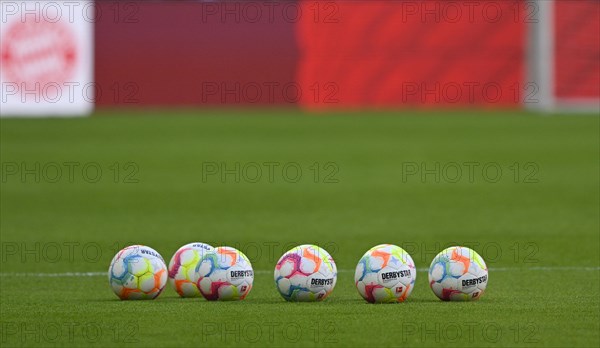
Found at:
[38, 51]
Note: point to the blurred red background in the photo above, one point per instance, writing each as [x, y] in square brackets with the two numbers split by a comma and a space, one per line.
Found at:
[335, 54]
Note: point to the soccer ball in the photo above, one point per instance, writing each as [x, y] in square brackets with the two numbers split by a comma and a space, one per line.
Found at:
[305, 273]
[385, 273]
[182, 267]
[225, 274]
[458, 274]
[137, 272]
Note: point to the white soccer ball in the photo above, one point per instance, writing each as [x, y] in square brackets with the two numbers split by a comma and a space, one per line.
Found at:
[458, 274]
[137, 272]
[182, 267]
[305, 273]
[385, 273]
[224, 274]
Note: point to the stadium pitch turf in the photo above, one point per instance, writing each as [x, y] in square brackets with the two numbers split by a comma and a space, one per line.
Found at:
[520, 189]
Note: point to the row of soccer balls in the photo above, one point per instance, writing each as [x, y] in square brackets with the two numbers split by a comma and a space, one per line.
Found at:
[385, 273]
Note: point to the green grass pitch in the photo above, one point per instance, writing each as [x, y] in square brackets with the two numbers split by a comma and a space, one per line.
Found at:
[530, 207]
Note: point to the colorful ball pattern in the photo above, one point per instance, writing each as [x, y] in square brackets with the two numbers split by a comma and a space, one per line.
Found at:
[137, 272]
[182, 267]
[458, 274]
[224, 274]
[305, 273]
[386, 273]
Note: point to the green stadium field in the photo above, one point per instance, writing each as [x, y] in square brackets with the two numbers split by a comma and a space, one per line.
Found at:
[521, 189]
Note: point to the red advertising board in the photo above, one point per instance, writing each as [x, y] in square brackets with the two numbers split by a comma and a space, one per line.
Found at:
[340, 54]
[194, 53]
[415, 53]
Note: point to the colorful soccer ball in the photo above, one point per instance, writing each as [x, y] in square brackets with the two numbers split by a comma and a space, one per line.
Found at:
[386, 273]
[224, 274]
[137, 272]
[305, 273]
[458, 274]
[182, 267]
